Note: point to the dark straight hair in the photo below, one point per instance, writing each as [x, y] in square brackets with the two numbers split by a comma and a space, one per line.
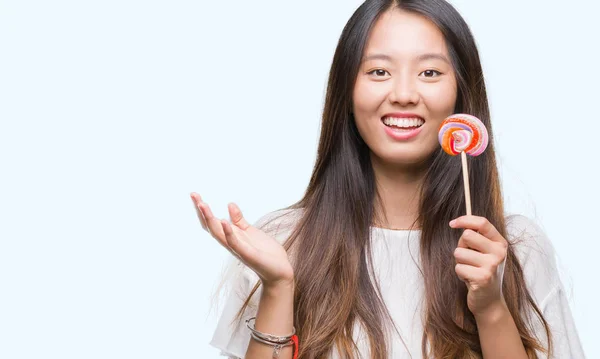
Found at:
[330, 245]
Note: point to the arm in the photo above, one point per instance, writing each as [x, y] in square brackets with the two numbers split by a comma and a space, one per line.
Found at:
[274, 316]
[267, 258]
[498, 334]
[480, 256]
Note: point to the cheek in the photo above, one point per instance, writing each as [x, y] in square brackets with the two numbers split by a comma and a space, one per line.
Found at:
[440, 100]
[367, 97]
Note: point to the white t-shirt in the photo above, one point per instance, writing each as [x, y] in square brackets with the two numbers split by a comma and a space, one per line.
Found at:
[396, 259]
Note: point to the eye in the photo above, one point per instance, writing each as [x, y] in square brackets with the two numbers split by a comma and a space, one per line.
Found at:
[431, 73]
[378, 72]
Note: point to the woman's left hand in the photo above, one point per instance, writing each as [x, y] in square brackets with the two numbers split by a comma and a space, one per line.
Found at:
[480, 257]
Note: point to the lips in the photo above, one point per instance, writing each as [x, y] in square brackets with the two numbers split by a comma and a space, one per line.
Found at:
[403, 120]
[402, 125]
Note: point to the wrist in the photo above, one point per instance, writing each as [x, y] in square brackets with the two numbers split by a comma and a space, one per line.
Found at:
[493, 314]
[278, 287]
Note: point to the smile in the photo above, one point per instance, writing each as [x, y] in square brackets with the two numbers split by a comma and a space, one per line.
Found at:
[403, 123]
[402, 128]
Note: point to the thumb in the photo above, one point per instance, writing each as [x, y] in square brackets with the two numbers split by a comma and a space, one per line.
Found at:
[236, 217]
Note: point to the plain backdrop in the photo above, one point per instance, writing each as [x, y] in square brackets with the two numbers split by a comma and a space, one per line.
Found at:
[112, 112]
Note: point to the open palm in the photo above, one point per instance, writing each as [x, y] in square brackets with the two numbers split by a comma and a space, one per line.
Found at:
[259, 251]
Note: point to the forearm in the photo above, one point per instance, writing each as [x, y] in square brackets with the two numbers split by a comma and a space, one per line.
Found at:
[275, 315]
[499, 336]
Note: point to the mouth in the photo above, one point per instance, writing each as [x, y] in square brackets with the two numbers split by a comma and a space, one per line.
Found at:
[403, 123]
[401, 127]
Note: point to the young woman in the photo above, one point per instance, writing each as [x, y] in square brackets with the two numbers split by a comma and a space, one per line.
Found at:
[377, 259]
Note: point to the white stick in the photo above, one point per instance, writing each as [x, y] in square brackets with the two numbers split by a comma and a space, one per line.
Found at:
[465, 171]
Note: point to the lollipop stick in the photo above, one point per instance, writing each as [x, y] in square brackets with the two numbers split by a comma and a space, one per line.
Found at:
[465, 170]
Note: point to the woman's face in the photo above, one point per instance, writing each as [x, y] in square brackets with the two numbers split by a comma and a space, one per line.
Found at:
[405, 88]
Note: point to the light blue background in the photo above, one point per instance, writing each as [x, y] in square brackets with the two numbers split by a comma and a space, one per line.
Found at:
[112, 112]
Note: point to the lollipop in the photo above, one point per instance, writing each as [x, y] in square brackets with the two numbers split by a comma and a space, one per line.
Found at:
[463, 134]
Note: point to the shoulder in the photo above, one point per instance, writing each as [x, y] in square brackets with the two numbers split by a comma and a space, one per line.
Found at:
[528, 237]
[535, 253]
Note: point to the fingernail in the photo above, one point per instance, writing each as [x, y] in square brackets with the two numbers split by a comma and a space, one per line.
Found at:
[452, 222]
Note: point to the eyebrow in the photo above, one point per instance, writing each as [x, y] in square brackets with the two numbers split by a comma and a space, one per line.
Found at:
[423, 57]
[377, 57]
[434, 57]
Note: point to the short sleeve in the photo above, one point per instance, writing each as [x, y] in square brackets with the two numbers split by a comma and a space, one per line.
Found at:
[538, 259]
[231, 335]
[562, 326]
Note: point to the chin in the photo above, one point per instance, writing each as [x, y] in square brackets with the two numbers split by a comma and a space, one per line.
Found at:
[404, 160]
[409, 157]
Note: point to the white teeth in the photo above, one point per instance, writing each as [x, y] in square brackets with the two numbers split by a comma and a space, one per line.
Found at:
[403, 122]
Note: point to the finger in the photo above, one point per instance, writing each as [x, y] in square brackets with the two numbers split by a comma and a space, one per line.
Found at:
[478, 224]
[227, 246]
[242, 249]
[196, 199]
[214, 224]
[236, 217]
[467, 273]
[474, 240]
[470, 257]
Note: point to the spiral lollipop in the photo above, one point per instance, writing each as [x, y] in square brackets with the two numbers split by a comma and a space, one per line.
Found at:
[463, 134]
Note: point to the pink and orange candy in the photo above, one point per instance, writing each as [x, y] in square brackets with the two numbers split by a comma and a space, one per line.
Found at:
[463, 133]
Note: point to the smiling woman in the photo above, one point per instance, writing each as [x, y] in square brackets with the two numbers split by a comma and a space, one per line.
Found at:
[376, 260]
[406, 66]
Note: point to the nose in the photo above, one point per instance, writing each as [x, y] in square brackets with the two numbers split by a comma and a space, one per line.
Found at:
[404, 92]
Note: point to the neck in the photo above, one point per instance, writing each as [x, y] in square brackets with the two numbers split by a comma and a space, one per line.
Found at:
[398, 188]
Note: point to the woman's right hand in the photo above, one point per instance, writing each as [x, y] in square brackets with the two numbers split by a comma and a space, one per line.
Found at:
[257, 250]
